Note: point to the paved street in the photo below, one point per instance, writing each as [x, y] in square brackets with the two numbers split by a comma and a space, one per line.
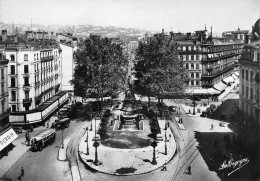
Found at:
[44, 165]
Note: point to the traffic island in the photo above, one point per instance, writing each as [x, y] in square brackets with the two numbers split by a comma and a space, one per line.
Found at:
[120, 161]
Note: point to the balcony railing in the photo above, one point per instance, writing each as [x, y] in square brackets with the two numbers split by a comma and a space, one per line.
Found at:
[47, 58]
[26, 85]
[27, 101]
[217, 73]
[217, 58]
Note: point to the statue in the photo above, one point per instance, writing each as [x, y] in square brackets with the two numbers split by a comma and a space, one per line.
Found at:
[129, 91]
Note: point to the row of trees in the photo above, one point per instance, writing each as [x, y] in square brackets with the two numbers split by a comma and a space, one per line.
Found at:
[100, 68]
[159, 69]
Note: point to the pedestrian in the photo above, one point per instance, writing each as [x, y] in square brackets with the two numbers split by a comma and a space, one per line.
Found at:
[212, 127]
[189, 170]
[22, 171]
[189, 111]
[19, 177]
[168, 124]
[164, 167]
[47, 124]
[181, 121]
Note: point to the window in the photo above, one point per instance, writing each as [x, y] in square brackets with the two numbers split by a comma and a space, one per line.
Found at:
[26, 69]
[192, 66]
[12, 82]
[25, 57]
[192, 82]
[13, 108]
[242, 73]
[258, 56]
[197, 75]
[12, 69]
[2, 74]
[192, 57]
[3, 107]
[251, 75]
[246, 92]
[251, 93]
[243, 90]
[26, 94]
[192, 75]
[187, 66]
[12, 57]
[246, 74]
[197, 57]
[197, 82]
[2, 89]
[26, 81]
[13, 95]
[197, 66]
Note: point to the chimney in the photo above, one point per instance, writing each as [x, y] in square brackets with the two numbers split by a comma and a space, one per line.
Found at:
[4, 35]
[15, 38]
[162, 31]
[171, 33]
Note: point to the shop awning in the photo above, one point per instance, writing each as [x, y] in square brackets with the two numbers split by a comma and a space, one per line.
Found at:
[234, 76]
[229, 79]
[7, 138]
[196, 91]
[220, 86]
[213, 91]
[237, 74]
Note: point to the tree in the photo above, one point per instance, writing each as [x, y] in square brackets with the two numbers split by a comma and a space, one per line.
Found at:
[100, 68]
[160, 71]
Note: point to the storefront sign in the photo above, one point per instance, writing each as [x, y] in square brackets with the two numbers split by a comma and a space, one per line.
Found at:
[7, 138]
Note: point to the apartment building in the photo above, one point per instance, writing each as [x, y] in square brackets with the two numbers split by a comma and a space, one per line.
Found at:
[7, 134]
[249, 96]
[34, 74]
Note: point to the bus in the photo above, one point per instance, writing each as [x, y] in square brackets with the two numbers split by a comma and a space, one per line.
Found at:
[43, 139]
[61, 124]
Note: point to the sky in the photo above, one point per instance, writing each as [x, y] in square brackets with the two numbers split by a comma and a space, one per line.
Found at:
[153, 15]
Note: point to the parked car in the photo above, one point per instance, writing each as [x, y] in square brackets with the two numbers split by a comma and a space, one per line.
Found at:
[203, 114]
[18, 130]
[172, 108]
[213, 106]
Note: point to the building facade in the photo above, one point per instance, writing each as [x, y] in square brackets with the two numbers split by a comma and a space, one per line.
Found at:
[249, 100]
[34, 74]
[218, 62]
[7, 134]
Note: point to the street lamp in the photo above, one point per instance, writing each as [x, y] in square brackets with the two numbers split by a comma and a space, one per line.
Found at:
[62, 143]
[96, 144]
[165, 139]
[194, 102]
[90, 129]
[154, 144]
[87, 153]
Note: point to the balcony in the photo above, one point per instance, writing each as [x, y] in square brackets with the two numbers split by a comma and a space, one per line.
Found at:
[26, 85]
[27, 101]
[205, 76]
[43, 59]
[218, 58]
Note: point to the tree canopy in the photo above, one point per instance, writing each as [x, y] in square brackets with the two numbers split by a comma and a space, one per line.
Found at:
[159, 69]
[100, 68]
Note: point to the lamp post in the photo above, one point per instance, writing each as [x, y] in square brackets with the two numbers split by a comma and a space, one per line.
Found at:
[96, 144]
[62, 143]
[165, 139]
[90, 129]
[87, 153]
[154, 144]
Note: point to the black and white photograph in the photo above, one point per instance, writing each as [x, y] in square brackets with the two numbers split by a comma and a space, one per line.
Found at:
[130, 90]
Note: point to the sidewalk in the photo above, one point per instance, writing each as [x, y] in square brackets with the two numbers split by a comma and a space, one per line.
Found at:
[139, 159]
